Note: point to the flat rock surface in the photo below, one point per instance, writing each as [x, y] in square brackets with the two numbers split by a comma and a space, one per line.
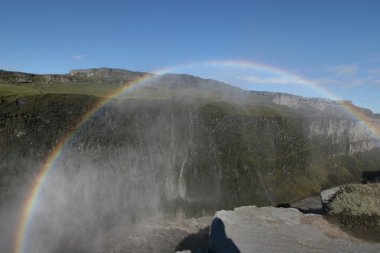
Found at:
[311, 204]
[268, 229]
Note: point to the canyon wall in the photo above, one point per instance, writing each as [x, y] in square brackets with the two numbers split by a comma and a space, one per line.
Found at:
[201, 153]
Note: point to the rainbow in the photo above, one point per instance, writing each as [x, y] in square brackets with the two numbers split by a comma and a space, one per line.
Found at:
[31, 199]
[49, 163]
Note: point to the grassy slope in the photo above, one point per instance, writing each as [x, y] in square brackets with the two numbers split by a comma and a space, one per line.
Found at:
[14, 91]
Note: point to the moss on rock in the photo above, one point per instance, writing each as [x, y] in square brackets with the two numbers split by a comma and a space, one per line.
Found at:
[356, 205]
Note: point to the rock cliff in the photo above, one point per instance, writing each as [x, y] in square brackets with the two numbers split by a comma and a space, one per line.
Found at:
[217, 148]
[27, 78]
[320, 104]
[106, 73]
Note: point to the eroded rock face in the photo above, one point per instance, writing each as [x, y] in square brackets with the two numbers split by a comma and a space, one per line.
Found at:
[298, 102]
[268, 229]
[27, 78]
[348, 135]
[106, 73]
[320, 104]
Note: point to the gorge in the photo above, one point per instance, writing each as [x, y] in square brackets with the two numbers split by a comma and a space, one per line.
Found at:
[171, 145]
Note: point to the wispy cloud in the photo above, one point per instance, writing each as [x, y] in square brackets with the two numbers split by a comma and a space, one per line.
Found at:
[271, 80]
[375, 71]
[9, 68]
[345, 83]
[371, 58]
[78, 57]
[343, 69]
[356, 82]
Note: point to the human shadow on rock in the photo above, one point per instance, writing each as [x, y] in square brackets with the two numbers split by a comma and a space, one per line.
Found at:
[196, 243]
[218, 241]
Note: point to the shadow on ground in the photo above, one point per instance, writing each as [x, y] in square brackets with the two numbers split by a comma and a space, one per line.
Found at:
[218, 240]
[202, 242]
[196, 242]
[320, 210]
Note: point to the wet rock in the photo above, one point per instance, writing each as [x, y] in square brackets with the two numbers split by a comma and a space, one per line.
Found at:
[310, 204]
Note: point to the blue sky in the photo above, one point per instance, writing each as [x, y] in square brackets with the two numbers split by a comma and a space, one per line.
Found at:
[336, 44]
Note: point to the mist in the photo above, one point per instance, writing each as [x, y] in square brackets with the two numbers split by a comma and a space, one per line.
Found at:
[126, 164]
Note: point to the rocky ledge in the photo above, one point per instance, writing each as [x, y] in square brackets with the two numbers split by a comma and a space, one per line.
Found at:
[350, 224]
[270, 229]
[107, 73]
[298, 227]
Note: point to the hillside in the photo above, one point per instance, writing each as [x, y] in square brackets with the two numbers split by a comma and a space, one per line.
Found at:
[267, 136]
[175, 144]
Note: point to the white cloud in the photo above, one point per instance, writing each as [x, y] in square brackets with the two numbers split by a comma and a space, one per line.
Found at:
[343, 69]
[272, 80]
[78, 57]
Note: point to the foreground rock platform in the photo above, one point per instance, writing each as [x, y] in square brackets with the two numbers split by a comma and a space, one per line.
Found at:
[268, 229]
[156, 235]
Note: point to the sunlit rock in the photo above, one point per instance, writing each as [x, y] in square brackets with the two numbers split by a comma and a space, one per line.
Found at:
[268, 229]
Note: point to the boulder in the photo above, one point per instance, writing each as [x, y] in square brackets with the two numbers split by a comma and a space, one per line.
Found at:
[357, 206]
[327, 195]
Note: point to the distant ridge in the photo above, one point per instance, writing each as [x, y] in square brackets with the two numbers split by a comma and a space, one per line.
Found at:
[180, 82]
[107, 73]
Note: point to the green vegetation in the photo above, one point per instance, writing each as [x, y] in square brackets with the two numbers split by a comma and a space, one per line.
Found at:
[13, 91]
[356, 209]
[356, 200]
[7, 89]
